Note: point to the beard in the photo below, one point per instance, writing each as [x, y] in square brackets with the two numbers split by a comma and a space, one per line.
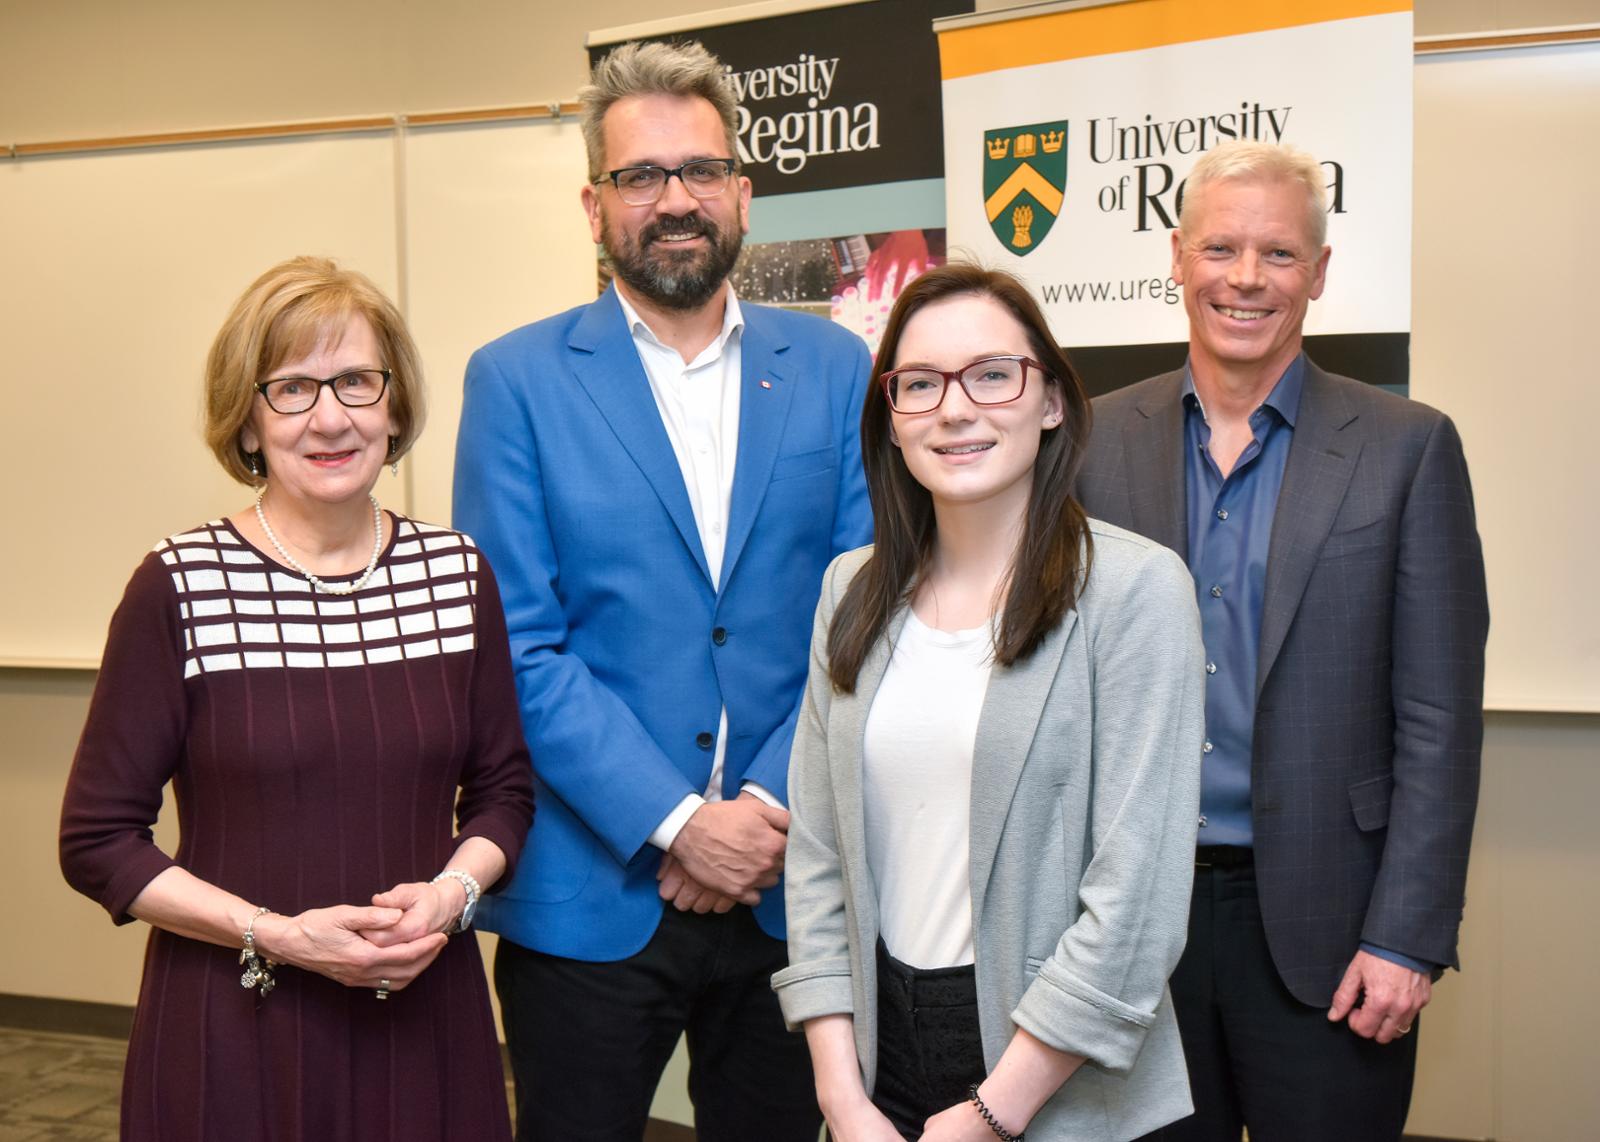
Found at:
[680, 279]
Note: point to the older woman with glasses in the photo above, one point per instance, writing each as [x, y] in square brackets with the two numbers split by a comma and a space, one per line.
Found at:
[995, 779]
[322, 682]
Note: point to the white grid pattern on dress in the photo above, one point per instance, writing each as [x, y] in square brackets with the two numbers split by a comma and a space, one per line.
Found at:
[238, 611]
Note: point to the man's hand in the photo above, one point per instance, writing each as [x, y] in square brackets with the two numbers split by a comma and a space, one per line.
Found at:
[1389, 996]
[685, 893]
[734, 848]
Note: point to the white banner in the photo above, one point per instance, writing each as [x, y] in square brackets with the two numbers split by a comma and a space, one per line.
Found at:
[1107, 134]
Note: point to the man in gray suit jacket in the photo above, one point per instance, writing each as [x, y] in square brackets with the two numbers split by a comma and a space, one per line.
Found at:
[1329, 527]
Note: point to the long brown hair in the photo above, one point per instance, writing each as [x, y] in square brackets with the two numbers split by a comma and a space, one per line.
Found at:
[1052, 558]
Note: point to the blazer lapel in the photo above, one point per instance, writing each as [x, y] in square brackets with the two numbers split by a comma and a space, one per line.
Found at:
[1322, 459]
[847, 729]
[607, 366]
[766, 390]
[1011, 711]
[1154, 435]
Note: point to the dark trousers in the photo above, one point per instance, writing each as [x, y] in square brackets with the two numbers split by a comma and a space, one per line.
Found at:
[588, 1041]
[929, 1048]
[1258, 1057]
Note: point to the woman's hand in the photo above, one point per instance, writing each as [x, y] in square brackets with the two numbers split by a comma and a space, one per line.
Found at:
[959, 1123]
[332, 942]
[861, 1122]
[424, 909]
[850, 1115]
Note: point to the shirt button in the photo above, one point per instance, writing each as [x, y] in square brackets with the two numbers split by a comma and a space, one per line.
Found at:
[1216, 592]
[1222, 513]
[1211, 668]
[716, 529]
[1207, 747]
[703, 739]
[719, 635]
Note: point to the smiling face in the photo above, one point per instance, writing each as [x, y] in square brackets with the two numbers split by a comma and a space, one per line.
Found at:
[1249, 269]
[966, 453]
[677, 251]
[332, 454]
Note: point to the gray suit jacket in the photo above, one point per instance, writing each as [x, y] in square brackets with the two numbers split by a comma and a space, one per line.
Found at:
[1369, 692]
[1085, 790]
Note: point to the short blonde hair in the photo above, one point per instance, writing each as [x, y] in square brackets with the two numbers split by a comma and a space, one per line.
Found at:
[655, 68]
[1246, 160]
[284, 314]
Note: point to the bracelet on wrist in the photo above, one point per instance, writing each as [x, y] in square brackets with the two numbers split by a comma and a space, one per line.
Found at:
[469, 885]
[987, 1115]
[257, 968]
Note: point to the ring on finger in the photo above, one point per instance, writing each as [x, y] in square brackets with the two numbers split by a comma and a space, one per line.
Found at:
[1406, 1030]
[382, 991]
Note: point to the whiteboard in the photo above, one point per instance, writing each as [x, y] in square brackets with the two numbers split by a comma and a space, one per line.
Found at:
[1505, 300]
[118, 268]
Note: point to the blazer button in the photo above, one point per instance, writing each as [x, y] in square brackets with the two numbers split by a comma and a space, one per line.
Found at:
[703, 739]
[719, 635]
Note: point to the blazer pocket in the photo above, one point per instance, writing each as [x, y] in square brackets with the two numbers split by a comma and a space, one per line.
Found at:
[1369, 801]
[802, 464]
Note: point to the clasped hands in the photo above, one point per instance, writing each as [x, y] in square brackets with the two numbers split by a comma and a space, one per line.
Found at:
[387, 944]
[724, 855]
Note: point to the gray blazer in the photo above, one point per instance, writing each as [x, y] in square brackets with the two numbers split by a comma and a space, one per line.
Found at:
[1369, 688]
[1085, 795]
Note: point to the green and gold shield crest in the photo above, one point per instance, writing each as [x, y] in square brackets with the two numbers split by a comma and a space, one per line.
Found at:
[1024, 182]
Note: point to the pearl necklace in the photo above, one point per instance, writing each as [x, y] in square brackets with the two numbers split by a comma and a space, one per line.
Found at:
[316, 583]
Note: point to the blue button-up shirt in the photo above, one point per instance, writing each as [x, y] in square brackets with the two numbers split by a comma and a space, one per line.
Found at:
[1230, 531]
[1230, 528]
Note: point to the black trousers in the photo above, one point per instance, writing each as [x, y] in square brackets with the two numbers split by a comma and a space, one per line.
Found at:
[1260, 1058]
[589, 1041]
[929, 1048]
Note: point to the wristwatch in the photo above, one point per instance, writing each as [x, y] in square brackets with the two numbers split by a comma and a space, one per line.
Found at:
[470, 884]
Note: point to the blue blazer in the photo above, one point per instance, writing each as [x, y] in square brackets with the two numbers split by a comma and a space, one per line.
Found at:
[624, 649]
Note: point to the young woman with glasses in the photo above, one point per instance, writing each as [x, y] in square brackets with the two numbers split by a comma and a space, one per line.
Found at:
[995, 780]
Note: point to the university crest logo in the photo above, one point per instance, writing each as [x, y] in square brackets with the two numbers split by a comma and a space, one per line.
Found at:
[1024, 182]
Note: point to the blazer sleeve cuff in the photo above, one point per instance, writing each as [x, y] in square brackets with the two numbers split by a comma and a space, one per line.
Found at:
[812, 990]
[1067, 1014]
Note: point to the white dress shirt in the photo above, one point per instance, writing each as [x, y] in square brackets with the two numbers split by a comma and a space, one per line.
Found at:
[699, 406]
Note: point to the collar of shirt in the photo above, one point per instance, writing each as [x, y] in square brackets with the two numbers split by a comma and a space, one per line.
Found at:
[732, 322]
[1284, 399]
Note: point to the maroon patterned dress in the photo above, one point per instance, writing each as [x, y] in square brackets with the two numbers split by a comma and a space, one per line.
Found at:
[316, 745]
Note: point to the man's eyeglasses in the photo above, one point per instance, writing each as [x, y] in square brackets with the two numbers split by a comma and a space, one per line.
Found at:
[991, 380]
[355, 389]
[641, 186]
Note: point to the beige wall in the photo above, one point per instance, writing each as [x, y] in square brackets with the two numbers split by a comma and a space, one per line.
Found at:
[1506, 1047]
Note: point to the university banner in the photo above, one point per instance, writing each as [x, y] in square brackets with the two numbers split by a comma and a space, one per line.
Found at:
[1068, 134]
[839, 133]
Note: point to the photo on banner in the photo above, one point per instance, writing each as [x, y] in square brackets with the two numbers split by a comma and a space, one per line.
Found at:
[1068, 135]
[839, 131]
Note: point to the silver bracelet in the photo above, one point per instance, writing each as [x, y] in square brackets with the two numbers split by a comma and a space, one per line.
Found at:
[470, 884]
[257, 968]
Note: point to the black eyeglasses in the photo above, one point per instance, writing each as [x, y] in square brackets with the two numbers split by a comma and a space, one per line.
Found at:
[355, 389]
[990, 380]
[641, 186]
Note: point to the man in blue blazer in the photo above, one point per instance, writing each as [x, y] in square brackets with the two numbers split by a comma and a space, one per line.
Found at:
[660, 479]
[1329, 529]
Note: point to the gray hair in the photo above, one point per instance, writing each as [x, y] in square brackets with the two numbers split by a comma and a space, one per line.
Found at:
[1246, 160]
[683, 69]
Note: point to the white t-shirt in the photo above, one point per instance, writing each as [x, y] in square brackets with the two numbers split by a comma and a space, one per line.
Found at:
[917, 789]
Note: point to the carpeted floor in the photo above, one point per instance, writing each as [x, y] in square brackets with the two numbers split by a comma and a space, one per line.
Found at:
[58, 1086]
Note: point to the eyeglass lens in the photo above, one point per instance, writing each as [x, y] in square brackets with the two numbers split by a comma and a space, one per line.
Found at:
[995, 380]
[298, 394]
[640, 186]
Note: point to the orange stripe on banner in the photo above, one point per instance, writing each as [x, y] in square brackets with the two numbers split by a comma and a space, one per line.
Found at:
[1131, 27]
